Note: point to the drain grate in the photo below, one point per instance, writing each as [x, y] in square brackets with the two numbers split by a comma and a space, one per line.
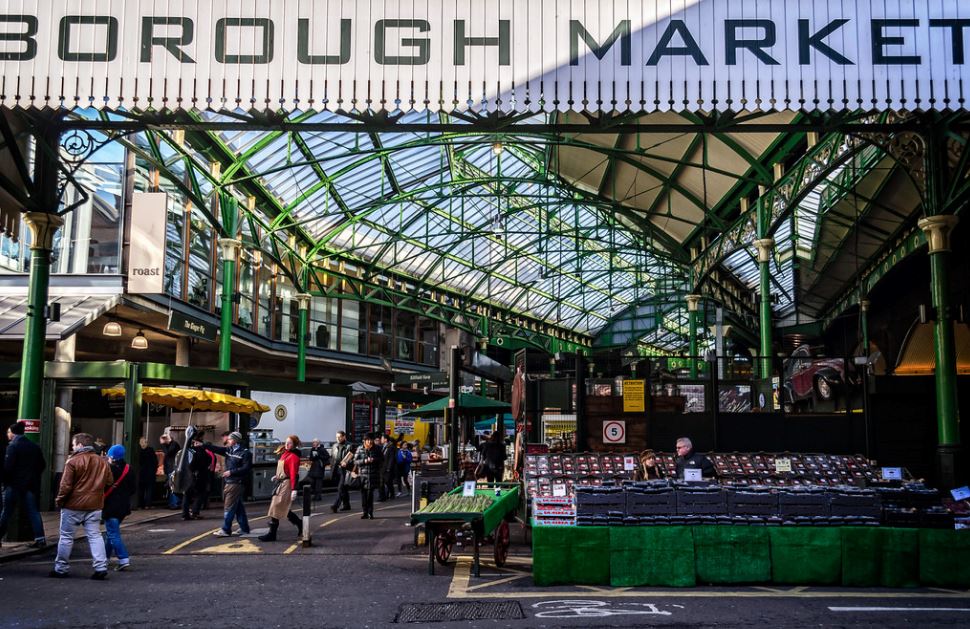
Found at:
[464, 610]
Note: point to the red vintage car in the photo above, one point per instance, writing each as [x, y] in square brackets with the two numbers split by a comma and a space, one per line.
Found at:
[811, 379]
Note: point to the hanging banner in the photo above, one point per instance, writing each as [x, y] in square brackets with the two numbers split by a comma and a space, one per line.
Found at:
[146, 255]
[609, 55]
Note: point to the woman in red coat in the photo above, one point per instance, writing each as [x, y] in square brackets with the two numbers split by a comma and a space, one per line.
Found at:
[287, 476]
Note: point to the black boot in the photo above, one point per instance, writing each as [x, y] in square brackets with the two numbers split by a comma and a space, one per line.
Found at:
[270, 536]
[297, 522]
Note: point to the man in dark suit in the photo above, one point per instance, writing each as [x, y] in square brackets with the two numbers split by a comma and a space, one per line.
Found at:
[22, 470]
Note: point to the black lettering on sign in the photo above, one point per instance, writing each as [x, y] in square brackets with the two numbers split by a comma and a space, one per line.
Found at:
[68, 22]
[171, 44]
[807, 41]
[880, 40]
[621, 32]
[423, 46]
[264, 24]
[503, 41]
[689, 49]
[303, 44]
[756, 46]
[26, 36]
[956, 36]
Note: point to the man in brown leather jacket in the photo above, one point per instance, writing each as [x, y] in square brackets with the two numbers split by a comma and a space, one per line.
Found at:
[81, 498]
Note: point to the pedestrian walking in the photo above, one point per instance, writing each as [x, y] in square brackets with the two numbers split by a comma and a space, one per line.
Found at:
[404, 460]
[147, 467]
[23, 467]
[286, 478]
[117, 506]
[319, 458]
[368, 465]
[198, 487]
[343, 461]
[170, 448]
[389, 468]
[81, 498]
[239, 465]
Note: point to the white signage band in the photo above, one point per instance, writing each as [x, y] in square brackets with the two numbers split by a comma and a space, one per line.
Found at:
[606, 55]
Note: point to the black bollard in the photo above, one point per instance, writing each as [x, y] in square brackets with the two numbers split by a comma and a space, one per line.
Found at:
[307, 499]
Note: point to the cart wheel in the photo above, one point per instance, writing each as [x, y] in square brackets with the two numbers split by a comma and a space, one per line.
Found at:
[502, 542]
[443, 542]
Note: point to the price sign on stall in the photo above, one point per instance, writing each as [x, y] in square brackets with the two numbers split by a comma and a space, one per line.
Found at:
[782, 465]
[468, 489]
[629, 463]
[559, 490]
[892, 473]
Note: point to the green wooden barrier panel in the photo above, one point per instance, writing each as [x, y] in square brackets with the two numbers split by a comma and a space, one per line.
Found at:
[732, 554]
[651, 555]
[806, 555]
[944, 558]
[874, 557]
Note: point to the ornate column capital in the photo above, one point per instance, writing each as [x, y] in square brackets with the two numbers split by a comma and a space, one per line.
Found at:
[764, 246]
[229, 248]
[938, 229]
[303, 300]
[693, 302]
[43, 226]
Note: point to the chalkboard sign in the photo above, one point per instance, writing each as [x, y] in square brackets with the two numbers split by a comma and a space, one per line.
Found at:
[361, 416]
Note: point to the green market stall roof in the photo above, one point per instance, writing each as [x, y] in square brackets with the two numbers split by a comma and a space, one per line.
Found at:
[468, 404]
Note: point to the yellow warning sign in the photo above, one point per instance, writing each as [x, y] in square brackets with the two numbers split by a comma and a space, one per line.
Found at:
[634, 396]
[242, 546]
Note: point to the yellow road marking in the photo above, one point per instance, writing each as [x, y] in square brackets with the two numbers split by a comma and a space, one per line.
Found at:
[241, 546]
[182, 545]
[328, 523]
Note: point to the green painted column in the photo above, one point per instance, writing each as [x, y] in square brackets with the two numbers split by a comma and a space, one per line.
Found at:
[303, 300]
[864, 324]
[693, 304]
[229, 247]
[938, 229]
[42, 227]
[765, 245]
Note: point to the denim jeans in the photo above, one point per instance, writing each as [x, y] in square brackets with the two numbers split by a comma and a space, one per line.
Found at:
[232, 496]
[90, 520]
[28, 499]
[113, 544]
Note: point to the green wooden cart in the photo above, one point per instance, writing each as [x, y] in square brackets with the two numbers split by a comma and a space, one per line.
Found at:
[444, 530]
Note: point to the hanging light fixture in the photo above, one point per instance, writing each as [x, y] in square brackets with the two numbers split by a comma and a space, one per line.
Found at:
[111, 328]
[140, 341]
[497, 148]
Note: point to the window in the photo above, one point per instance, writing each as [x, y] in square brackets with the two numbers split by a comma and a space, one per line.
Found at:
[323, 323]
[349, 325]
[200, 261]
[405, 332]
[286, 312]
[247, 296]
[265, 302]
[175, 247]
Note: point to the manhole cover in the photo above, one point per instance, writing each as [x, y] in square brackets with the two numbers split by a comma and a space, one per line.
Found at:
[465, 610]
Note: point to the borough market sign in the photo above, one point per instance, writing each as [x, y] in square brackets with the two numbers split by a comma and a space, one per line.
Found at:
[495, 54]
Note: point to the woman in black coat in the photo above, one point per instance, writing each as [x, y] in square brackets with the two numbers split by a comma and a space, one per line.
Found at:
[147, 466]
[493, 458]
[367, 462]
[319, 458]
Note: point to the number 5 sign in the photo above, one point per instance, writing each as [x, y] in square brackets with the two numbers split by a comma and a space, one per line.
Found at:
[614, 431]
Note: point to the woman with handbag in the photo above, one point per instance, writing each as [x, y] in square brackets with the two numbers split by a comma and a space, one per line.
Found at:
[287, 476]
[367, 466]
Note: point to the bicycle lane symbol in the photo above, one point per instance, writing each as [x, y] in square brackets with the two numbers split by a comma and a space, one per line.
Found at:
[579, 608]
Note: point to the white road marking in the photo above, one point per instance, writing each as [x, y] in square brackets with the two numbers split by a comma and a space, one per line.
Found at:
[596, 609]
[161, 530]
[899, 609]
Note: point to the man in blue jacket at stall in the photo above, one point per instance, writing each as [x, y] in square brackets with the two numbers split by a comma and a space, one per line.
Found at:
[23, 467]
[239, 465]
